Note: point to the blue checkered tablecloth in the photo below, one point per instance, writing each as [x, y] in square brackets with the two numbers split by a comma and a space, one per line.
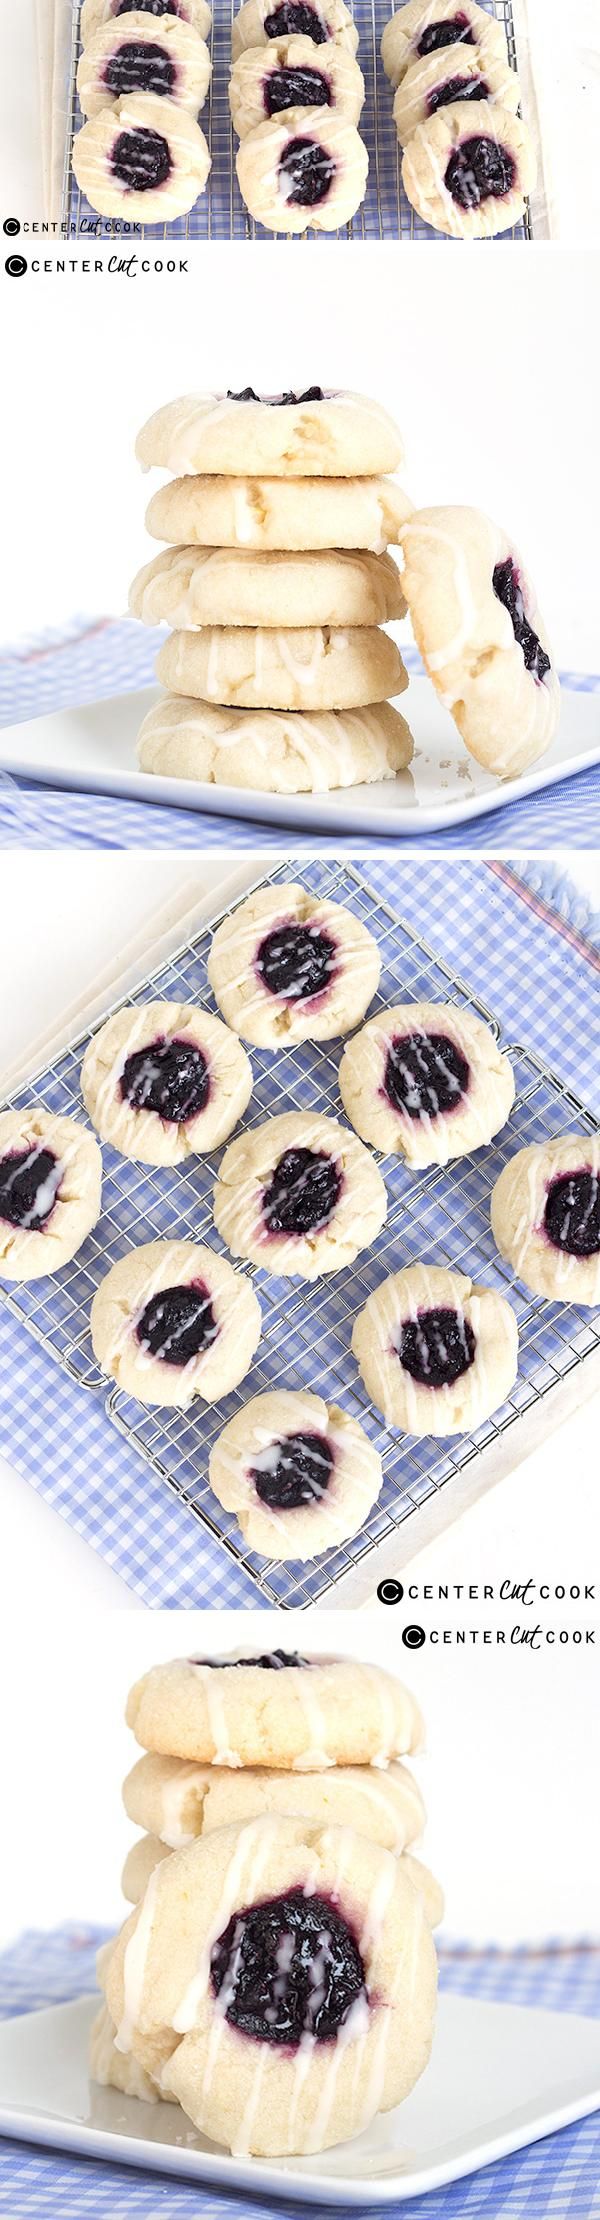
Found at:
[557, 2179]
[533, 968]
[95, 659]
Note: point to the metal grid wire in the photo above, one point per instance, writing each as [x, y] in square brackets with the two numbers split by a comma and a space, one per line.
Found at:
[220, 212]
[441, 1215]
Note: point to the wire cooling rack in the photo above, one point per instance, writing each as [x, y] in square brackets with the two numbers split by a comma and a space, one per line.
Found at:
[441, 1215]
[220, 212]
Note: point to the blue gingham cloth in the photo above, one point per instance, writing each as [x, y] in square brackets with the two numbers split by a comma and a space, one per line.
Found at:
[541, 978]
[220, 213]
[557, 2179]
[96, 659]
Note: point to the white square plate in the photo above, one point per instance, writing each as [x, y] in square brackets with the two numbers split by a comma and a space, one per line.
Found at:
[499, 2077]
[93, 750]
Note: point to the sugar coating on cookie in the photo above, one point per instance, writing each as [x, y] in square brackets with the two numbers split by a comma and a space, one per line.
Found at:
[278, 1709]
[50, 1191]
[299, 435]
[476, 621]
[96, 12]
[437, 1353]
[444, 77]
[298, 1474]
[422, 28]
[288, 965]
[176, 1800]
[163, 1081]
[299, 1195]
[545, 1211]
[426, 1079]
[292, 72]
[468, 169]
[305, 169]
[318, 668]
[277, 751]
[331, 1932]
[293, 514]
[188, 587]
[135, 53]
[145, 159]
[324, 22]
[172, 1321]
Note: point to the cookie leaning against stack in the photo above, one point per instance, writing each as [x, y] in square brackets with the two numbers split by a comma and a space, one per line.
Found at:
[141, 82]
[469, 162]
[278, 674]
[295, 103]
[277, 1900]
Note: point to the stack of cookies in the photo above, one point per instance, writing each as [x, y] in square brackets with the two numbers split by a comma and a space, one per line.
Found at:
[277, 1976]
[278, 581]
[296, 95]
[469, 162]
[141, 82]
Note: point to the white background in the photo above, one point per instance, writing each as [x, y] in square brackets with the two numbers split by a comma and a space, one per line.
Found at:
[78, 918]
[485, 358]
[509, 1775]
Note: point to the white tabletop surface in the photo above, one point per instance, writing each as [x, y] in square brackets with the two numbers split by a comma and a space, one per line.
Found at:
[74, 928]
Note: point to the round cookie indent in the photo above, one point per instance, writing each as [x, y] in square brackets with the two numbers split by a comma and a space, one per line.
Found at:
[306, 173]
[296, 962]
[141, 160]
[140, 68]
[29, 1184]
[293, 1471]
[178, 1324]
[425, 1075]
[303, 1192]
[292, 1969]
[480, 169]
[572, 1213]
[437, 1347]
[169, 1077]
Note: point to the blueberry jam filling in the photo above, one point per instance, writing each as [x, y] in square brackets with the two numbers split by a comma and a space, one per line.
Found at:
[141, 161]
[456, 28]
[139, 68]
[297, 1470]
[296, 961]
[505, 581]
[149, 7]
[479, 169]
[306, 173]
[29, 1184]
[279, 400]
[457, 88]
[290, 1967]
[295, 88]
[294, 17]
[572, 1213]
[436, 1348]
[178, 1324]
[169, 1077]
[425, 1074]
[273, 1662]
[302, 1193]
